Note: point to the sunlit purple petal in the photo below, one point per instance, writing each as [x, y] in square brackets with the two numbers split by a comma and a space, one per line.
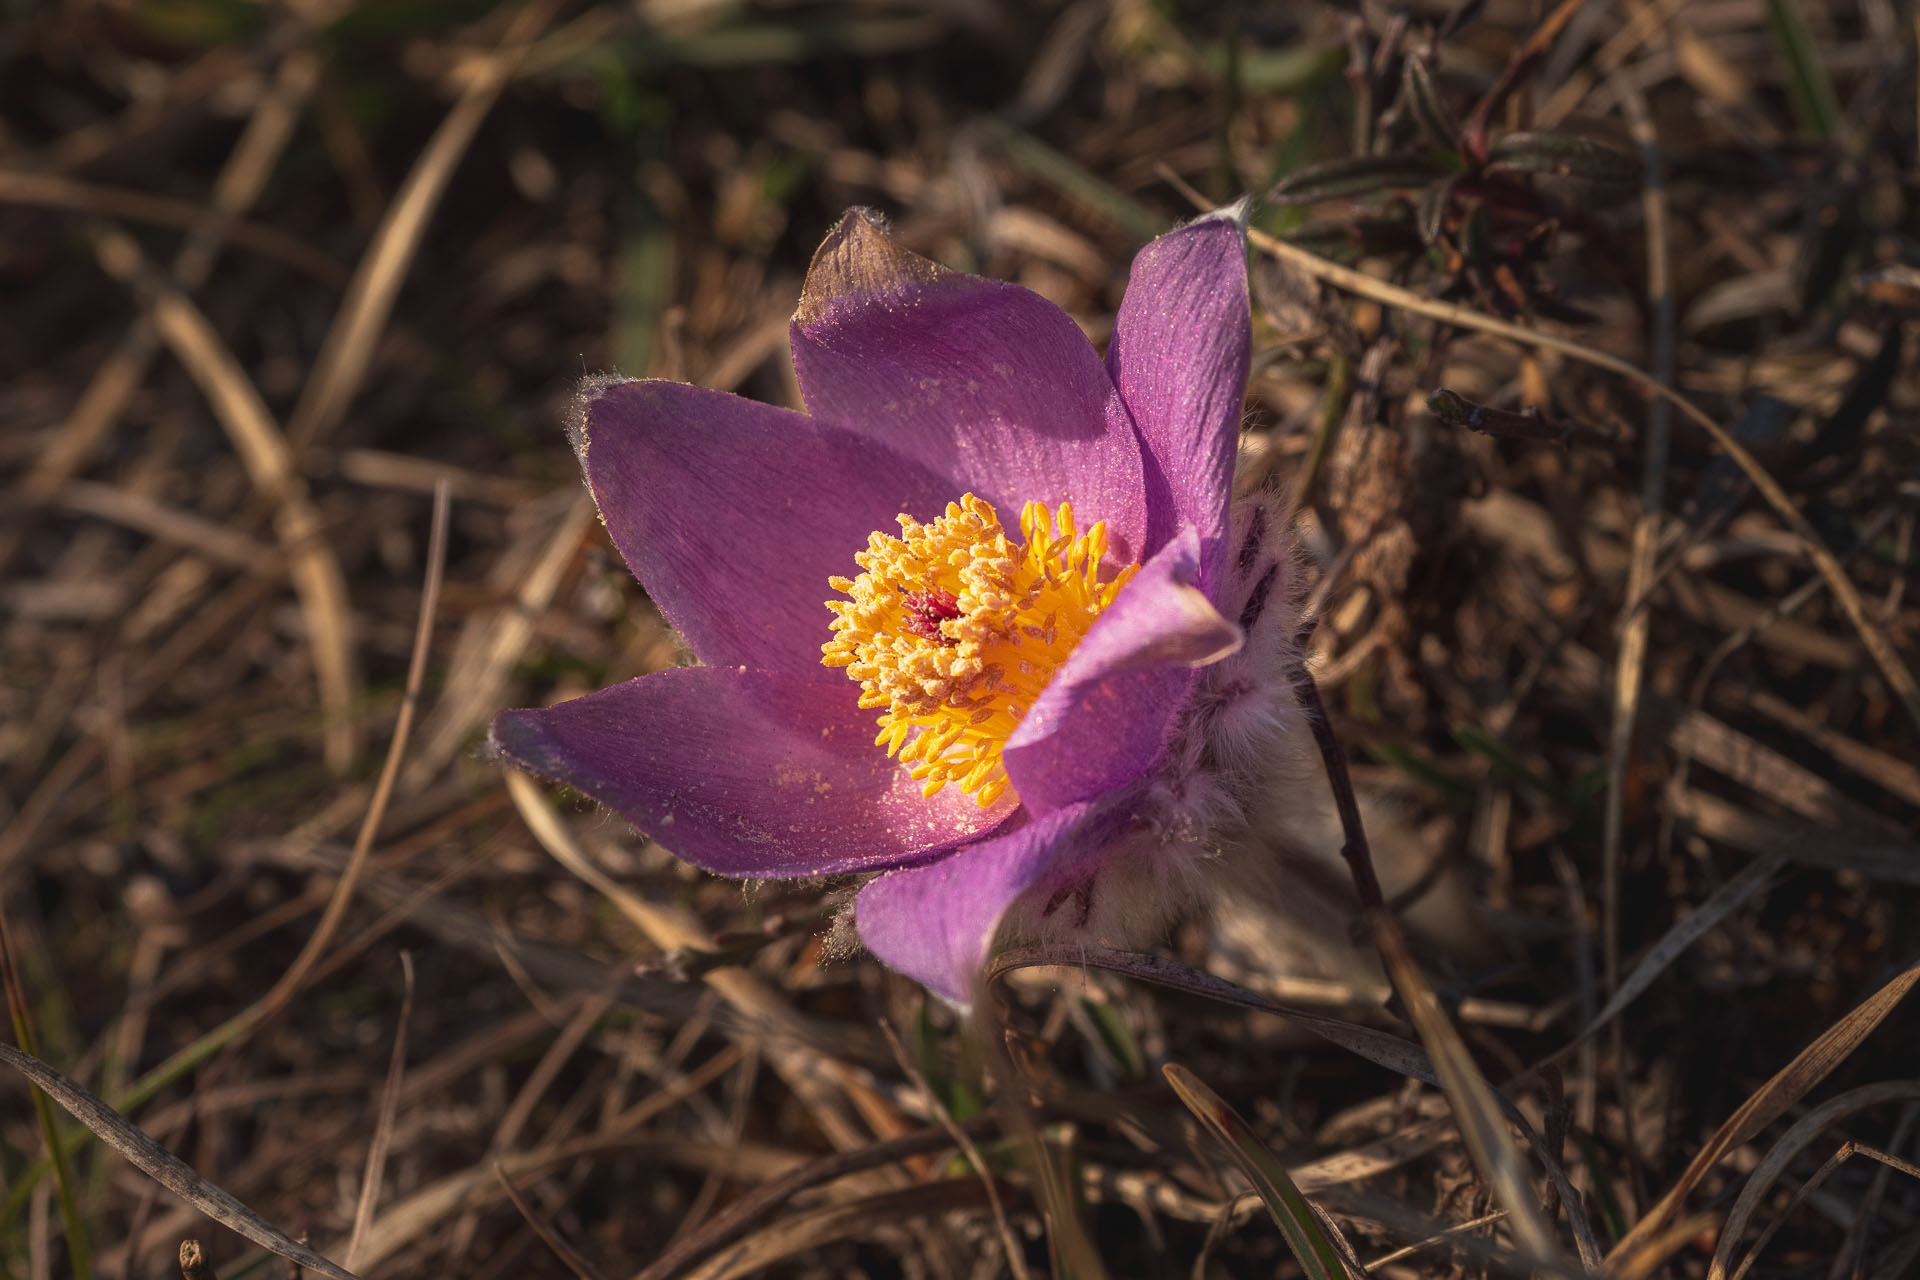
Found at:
[978, 380]
[934, 923]
[733, 514]
[1104, 719]
[745, 773]
[1179, 355]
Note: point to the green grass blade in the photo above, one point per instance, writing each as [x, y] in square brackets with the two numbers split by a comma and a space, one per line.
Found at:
[1073, 180]
[1814, 102]
[1298, 1223]
[79, 1252]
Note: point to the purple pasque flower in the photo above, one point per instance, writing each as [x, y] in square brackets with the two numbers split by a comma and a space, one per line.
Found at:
[1066, 636]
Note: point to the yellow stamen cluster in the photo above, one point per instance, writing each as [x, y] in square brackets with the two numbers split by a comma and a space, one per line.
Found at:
[955, 631]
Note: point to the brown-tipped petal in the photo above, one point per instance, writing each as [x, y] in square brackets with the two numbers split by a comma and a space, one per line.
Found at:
[978, 380]
[859, 259]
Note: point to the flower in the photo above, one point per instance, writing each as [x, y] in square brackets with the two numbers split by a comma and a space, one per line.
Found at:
[1070, 641]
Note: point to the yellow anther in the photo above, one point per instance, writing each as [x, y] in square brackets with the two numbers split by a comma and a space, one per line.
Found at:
[955, 631]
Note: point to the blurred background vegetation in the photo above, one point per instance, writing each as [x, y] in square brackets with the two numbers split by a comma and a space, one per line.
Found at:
[269, 272]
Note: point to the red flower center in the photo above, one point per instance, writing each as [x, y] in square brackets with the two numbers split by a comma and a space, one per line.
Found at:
[926, 610]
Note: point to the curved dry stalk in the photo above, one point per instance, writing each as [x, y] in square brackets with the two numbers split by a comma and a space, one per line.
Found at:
[577, 1262]
[330, 920]
[1476, 1107]
[270, 463]
[1787, 1086]
[1791, 1143]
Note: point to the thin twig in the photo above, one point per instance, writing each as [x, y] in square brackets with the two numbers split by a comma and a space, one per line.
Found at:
[383, 1127]
[1407, 1251]
[1353, 848]
[1016, 1258]
[739, 1217]
[330, 920]
[577, 1262]
[228, 1033]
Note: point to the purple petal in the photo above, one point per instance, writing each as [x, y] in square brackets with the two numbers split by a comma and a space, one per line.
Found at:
[745, 773]
[979, 380]
[733, 514]
[1179, 355]
[935, 923]
[1105, 717]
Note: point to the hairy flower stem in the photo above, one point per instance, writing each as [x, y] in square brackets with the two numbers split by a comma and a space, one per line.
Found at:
[1353, 848]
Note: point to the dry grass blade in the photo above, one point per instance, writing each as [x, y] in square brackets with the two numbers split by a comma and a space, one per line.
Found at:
[330, 921]
[383, 1127]
[138, 206]
[423, 1212]
[1636, 629]
[1648, 1257]
[1791, 1083]
[1319, 1259]
[1408, 1250]
[1016, 1257]
[356, 329]
[811, 1075]
[1808, 843]
[316, 572]
[864, 1217]
[228, 1032]
[115, 379]
[1482, 1126]
[1057, 1188]
[1898, 777]
[1685, 932]
[482, 661]
[1796, 1139]
[577, 1262]
[136, 511]
[163, 1166]
[739, 1217]
[1378, 1047]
